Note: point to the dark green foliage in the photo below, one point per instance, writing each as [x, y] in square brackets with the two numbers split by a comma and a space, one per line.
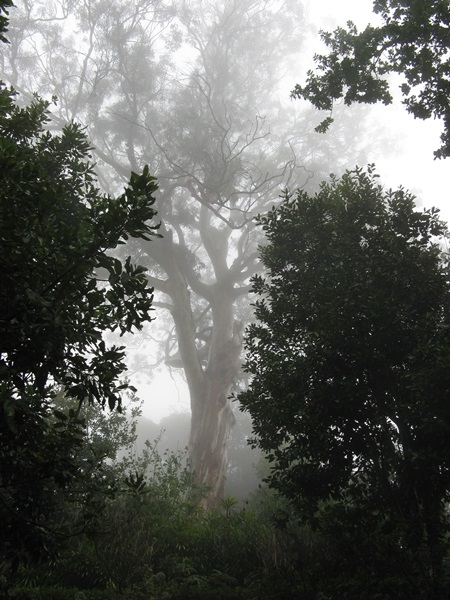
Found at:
[61, 593]
[55, 228]
[152, 540]
[60, 291]
[414, 41]
[350, 396]
[156, 526]
[5, 5]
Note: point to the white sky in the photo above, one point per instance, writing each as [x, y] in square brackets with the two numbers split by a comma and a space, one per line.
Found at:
[413, 167]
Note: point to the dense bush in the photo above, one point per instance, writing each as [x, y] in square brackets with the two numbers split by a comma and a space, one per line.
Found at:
[153, 541]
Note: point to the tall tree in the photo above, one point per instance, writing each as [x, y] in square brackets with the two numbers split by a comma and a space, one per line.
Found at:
[350, 388]
[217, 170]
[414, 41]
[206, 127]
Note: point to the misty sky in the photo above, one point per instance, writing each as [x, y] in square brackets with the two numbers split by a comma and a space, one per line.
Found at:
[412, 165]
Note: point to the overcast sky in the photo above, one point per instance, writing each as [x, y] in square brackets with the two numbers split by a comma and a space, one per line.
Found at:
[413, 164]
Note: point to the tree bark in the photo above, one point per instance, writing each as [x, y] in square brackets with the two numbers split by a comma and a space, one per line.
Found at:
[209, 383]
[212, 415]
[212, 419]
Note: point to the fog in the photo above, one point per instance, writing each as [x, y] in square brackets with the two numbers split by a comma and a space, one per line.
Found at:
[408, 158]
[266, 299]
[200, 92]
[403, 154]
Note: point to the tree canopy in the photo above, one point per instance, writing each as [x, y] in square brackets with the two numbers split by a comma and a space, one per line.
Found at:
[61, 290]
[55, 229]
[5, 5]
[414, 41]
[350, 388]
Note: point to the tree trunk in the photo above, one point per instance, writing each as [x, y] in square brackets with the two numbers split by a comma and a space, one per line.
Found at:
[212, 415]
[209, 385]
[212, 419]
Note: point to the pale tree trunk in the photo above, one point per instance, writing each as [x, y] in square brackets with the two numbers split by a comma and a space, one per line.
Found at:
[209, 384]
[212, 415]
[212, 419]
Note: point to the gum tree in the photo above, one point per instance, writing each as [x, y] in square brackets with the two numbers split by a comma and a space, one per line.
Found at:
[211, 128]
